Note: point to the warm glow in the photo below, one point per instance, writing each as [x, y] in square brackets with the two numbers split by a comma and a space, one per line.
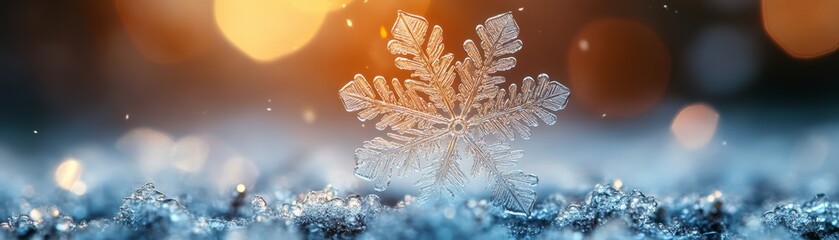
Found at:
[240, 188]
[714, 196]
[309, 115]
[269, 29]
[618, 67]
[695, 125]
[68, 173]
[54, 212]
[168, 31]
[804, 29]
[79, 188]
[349, 23]
[383, 32]
[618, 183]
[36, 215]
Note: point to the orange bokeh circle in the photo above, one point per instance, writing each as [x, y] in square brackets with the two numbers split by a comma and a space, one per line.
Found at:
[618, 67]
[804, 29]
[168, 31]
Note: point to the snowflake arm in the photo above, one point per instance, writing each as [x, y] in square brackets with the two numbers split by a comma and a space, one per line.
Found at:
[402, 112]
[429, 64]
[537, 100]
[498, 38]
[511, 189]
[377, 160]
[443, 178]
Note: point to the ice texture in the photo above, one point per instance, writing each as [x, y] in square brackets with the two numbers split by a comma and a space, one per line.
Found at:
[435, 125]
[605, 212]
[813, 219]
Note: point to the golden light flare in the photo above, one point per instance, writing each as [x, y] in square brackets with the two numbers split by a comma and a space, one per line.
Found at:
[68, 173]
[241, 188]
[803, 29]
[168, 31]
[618, 67]
[36, 215]
[694, 126]
[266, 30]
[382, 32]
[349, 22]
[617, 184]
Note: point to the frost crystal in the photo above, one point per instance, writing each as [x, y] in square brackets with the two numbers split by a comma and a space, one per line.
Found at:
[435, 127]
[149, 210]
[818, 218]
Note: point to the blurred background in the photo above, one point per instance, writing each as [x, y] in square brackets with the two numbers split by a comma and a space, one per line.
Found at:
[672, 97]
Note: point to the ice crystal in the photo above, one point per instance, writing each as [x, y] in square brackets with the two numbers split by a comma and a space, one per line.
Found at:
[605, 203]
[149, 210]
[817, 218]
[324, 214]
[435, 126]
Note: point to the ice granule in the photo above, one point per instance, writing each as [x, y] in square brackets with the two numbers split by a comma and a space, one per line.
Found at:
[148, 211]
[814, 219]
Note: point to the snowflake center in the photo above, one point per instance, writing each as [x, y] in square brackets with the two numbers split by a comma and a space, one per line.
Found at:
[458, 127]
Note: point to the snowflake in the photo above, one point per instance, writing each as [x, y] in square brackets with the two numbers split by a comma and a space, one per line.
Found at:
[432, 136]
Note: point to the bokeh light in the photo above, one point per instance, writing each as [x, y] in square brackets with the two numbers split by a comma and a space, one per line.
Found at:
[382, 32]
[804, 29]
[234, 172]
[811, 152]
[79, 188]
[189, 153]
[309, 115]
[68, 173]
[694, 126]
[269, 29]
[724, 60]
[618, 67]
[168, 31]
[151, 148]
